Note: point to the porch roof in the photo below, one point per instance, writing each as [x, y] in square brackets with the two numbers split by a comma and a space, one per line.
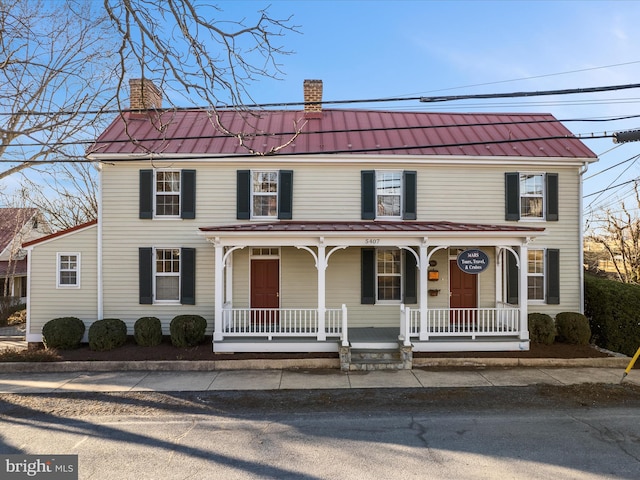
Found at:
[364, 227]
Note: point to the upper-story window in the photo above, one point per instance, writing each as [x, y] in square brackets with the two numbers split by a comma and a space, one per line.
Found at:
[388, 194]
[167, 194]
[531, 196]
[68, 274]
[264, 194]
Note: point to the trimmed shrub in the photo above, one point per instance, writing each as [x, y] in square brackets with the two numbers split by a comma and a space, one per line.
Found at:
[107, 334]
[613, 310]
[147, 331]
[187, 330]
[573, 328]
[64, 333]
[542, 329]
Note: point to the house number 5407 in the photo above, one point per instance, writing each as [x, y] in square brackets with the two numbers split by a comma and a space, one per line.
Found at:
[372, 241]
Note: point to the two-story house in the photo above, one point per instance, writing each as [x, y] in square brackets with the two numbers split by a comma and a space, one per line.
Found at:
[437, 230]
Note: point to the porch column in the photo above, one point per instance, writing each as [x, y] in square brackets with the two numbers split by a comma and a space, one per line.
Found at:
[522, 292]
[218, 292]
[423, 297]
[322, 308]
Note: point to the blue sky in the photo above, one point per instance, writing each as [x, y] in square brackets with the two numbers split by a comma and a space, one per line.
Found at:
[380, 49]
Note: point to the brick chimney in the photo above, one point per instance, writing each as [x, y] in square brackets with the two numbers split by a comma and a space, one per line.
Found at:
[144, 95]
[313, 93]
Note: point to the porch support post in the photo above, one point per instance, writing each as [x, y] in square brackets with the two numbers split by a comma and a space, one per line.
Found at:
[522, 293]
[322, 308]
[218, 291]
[423, 297]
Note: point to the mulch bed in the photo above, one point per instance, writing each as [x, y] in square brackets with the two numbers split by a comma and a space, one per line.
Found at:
[165, 351]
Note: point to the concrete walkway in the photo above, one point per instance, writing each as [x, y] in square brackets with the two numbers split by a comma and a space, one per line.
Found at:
[283, 379]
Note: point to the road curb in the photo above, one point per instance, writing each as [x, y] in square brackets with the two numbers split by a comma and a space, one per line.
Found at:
[300, 364]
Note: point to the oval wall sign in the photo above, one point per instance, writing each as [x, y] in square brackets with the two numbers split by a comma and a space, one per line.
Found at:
[473, 261]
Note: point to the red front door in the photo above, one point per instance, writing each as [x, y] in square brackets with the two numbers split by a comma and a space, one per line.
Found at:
[265, 289]
[464, 294]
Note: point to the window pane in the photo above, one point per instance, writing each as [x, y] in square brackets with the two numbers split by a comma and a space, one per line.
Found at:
[168, 260]
[388, 288]
[265, 194]
[531, 184]
[265, 182]
[535, 288]
[535, 263]
[167, 288]
[68, 278]
[531, 207]
[168, 205]
[265, 206]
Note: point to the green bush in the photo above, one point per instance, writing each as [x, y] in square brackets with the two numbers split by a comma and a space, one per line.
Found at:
[107, 334]
[542, 329]
[64, 333]
[147, 331]
[187, 330]
[573, 328]
[613, 310]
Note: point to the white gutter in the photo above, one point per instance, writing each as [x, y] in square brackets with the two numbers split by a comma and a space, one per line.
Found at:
[100, 294]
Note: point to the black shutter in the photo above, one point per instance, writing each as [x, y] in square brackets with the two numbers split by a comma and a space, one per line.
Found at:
[285, 194]
[145, 274]
[410, 283]
[512, 195]
[188, 276]
[410, 199]
[513, 275]
[551, 180]
[553, 276]
[243, 195]
[368, 194]
[188, 194]
[146, 194]
[368, 276]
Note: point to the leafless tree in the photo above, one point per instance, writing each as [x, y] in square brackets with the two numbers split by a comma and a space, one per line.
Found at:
[53, 80]
[619, 234]
[65, 66]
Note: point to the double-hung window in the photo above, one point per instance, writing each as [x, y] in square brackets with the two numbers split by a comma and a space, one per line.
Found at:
[531, 196]
[167, 274]
[167, 194]
[388, 195]
[388, 274]
[68, 270]
[543, 276]
[264, 194]
[535, 275]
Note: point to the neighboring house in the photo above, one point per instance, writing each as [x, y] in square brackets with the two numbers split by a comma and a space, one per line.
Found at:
[17, 225]
[439, 230]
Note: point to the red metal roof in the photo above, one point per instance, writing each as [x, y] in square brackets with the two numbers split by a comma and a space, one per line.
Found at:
[60, 233]
[287, 226]
[194, 132]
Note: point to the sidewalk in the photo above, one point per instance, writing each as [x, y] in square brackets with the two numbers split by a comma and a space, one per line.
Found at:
[284, 379]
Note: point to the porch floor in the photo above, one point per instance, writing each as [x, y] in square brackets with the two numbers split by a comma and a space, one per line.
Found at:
[373, 337]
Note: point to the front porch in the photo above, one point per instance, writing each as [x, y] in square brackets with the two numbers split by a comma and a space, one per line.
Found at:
[299, 330]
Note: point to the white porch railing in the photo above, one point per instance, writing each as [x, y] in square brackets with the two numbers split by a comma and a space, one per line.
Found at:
[463, 322]
[283, 322]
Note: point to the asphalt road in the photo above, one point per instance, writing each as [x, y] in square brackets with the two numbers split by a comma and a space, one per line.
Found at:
[578, 432]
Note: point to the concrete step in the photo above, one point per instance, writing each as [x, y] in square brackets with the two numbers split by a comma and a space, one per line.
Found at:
[376, 359]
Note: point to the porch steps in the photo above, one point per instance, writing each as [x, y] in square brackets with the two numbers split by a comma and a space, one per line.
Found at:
[379, 359]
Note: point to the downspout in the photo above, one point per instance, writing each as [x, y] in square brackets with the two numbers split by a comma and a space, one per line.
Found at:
[583, 170]
[100, 295]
